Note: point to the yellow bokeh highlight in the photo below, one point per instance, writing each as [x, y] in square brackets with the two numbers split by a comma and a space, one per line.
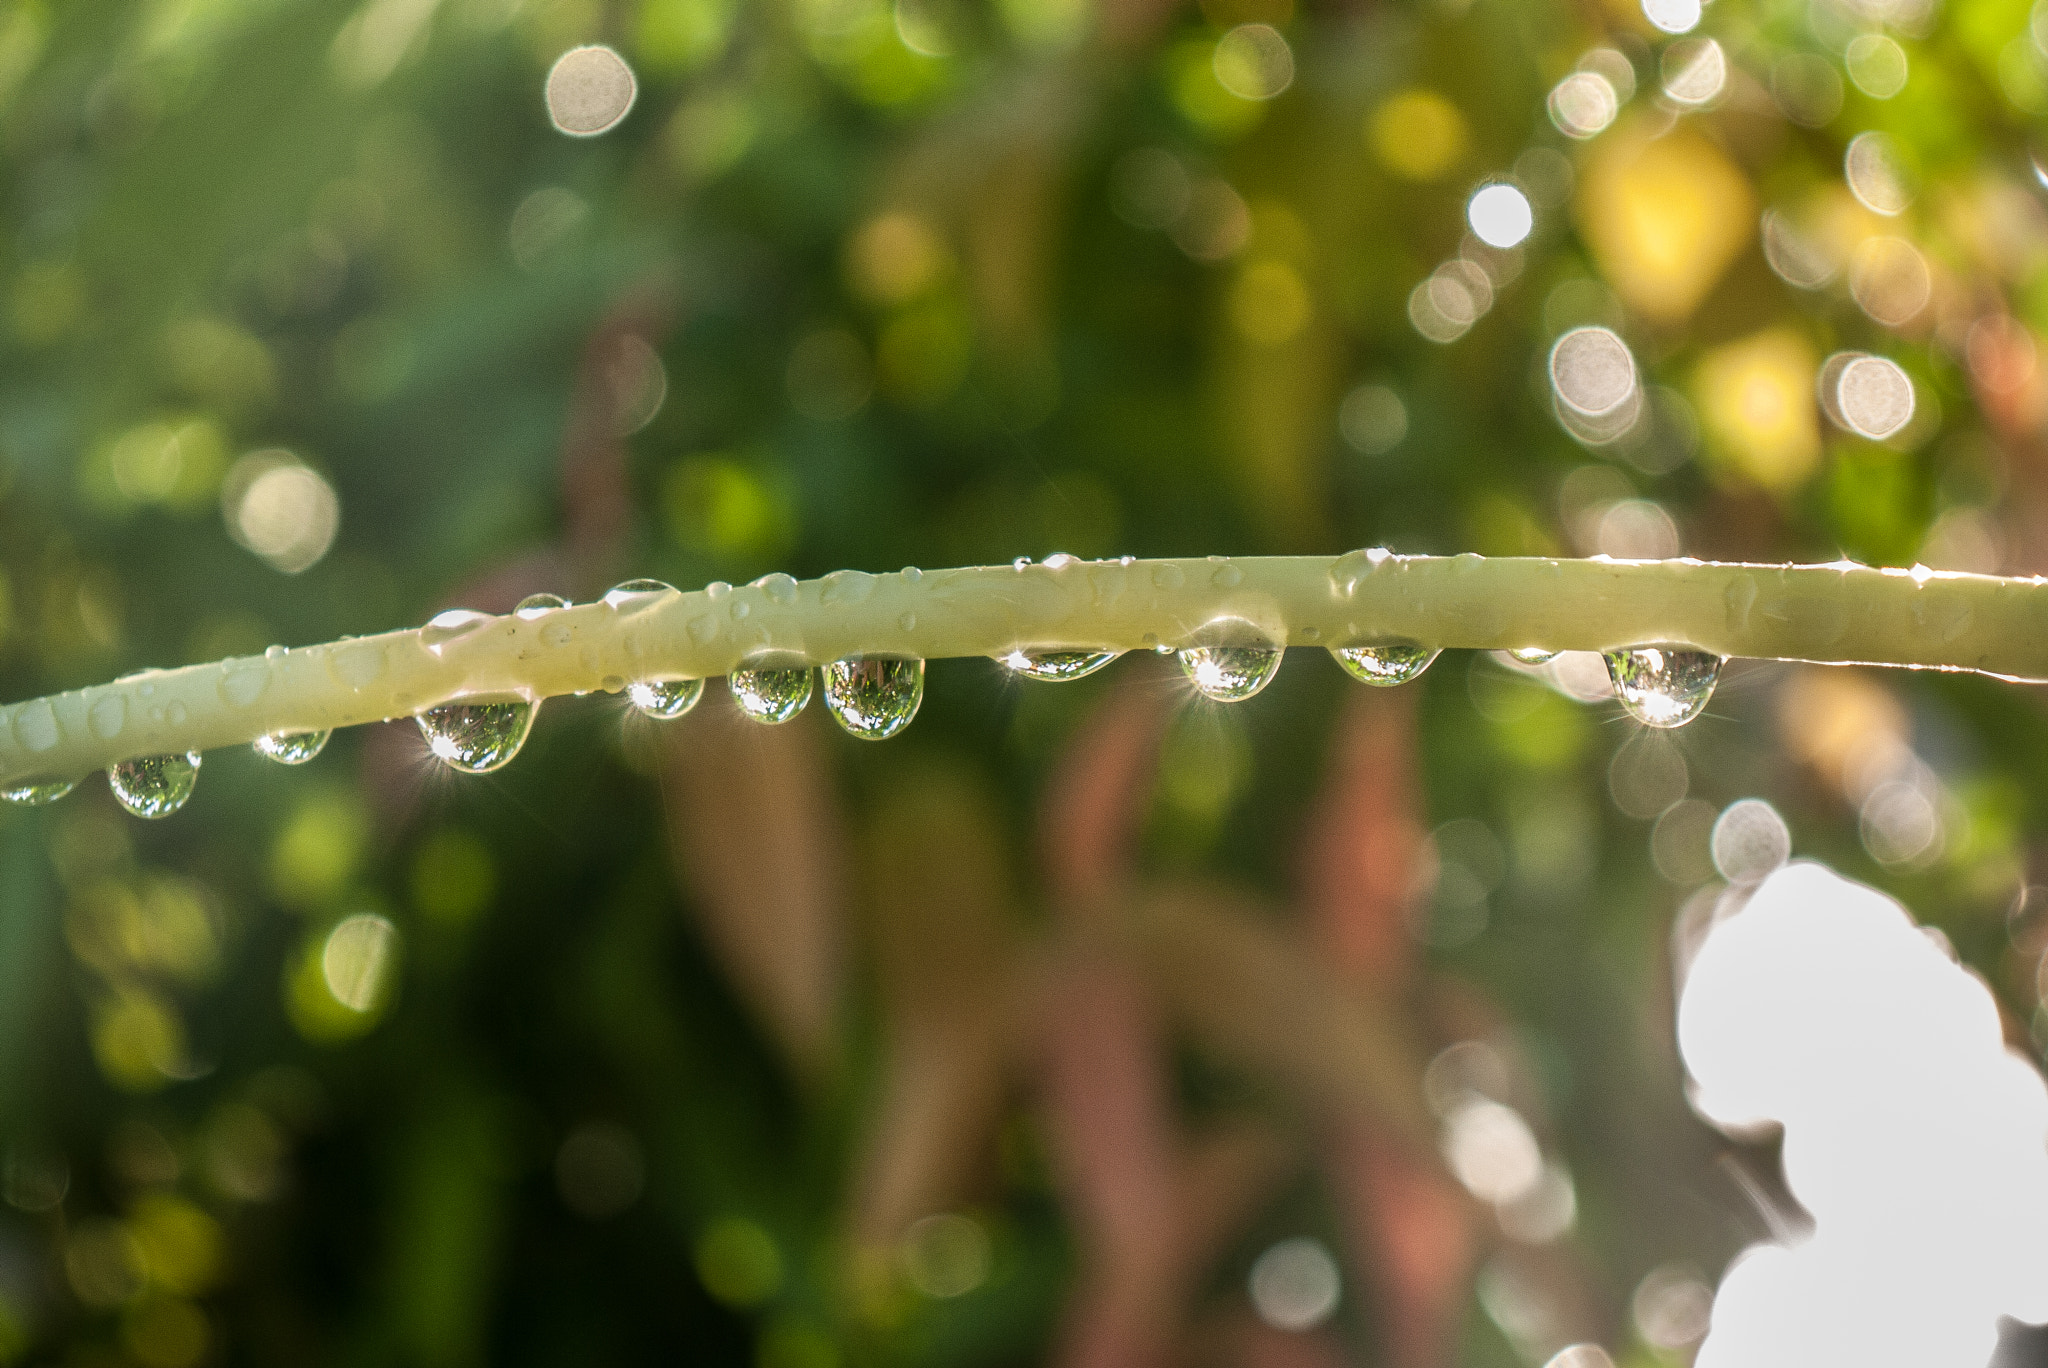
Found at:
[1417, 134]
[1269, 304]
[681, 35]
[179, 1244]
[1756, 408]
[895, 257]
[165, 1333]
[738, 1263]
[1665, 216]
[317, 851]
[718, 507]
[138, 1040]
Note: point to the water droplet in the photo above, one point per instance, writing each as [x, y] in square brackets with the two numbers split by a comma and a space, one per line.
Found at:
[1227, 577]
[780, 588]
[1127, 561]
[539, 605]
[36, 792]
[155, 785]
[443, 628]
[35, 725]
[740, 610]
[771, 695]
[1533, 655]
[1230, 674]
[908, 622]
[846, 586]
[477, 738]
[1021, 563]
[911, 574]
[1663, 686]
[241, 685]
[273, 653]
[1057, 665]
[716, 590]
[666, 699]
[1060, 560]
[107, 716]
[635, 594]
[1385, 663]
[702, 628]
[291, 748]
[874, 697]
[1168, 576]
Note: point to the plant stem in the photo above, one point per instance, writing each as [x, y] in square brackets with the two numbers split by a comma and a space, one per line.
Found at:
[1829, 613]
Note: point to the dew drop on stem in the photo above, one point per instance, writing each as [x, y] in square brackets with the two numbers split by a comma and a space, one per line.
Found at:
[1057, 665]
[771, 695]
[539, 605]
[874, 697]
[1230, 674]
[1532, 655]
[1385, 663]
[36, 792]
[291, 748]
[643, 590]
[665, 699]
[154, 785]
[477, 738]
[1663, 686]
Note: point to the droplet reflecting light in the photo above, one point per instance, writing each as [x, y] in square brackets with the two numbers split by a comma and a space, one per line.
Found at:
[771, 695]
[477, 738]
[291, 748]
[1230, 674]
[1058, 665]
[1385, 663]
[874, 697]
[36, 792]
[665, 699]
[155, 785]
[1663, 686]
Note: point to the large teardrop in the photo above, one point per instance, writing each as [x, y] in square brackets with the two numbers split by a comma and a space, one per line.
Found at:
[666, 699]
[36, 792]
[874, 697]
[1663, 686]
[771, 695]
[477, 738]
[1057, 665]
[291, 748]
[154, 785]
[1230, 674]
[1385, 663]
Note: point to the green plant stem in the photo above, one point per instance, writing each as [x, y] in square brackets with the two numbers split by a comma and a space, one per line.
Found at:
[1829, 613]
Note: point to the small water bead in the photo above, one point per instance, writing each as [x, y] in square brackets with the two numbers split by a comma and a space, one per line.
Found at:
[665, 699]
[1230, 674]
[36, 792]
[874, 697]
[539, 605]
[477, 738]
[1060, 560]
[771, 695]
[1385, 663]
[1057, 665]
[619, 595]
[1663, 686]
[779, 587]
[1021, 563]
[291, 748]
[155, 785]
[1532, 655]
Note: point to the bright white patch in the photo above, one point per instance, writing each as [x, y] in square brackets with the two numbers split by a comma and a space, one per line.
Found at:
[1913, 1136]
[1295, 1284]
[1500, 215]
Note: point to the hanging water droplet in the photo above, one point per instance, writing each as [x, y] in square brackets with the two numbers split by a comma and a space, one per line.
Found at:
[155, 785]
[1663, 686]
[1532, 655]
[477, 738]
[874, 697]
[539, 605]
[1057, 665]
[623, 595]
[1385, 663]
[1230, 674]
[771, 695]
[666, 699]
[36, 792]
[291, 748]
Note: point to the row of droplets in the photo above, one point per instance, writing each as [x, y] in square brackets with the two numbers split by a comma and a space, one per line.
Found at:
[875, 697]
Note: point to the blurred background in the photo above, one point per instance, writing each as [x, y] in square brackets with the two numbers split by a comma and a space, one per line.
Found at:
[1091, 1024]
